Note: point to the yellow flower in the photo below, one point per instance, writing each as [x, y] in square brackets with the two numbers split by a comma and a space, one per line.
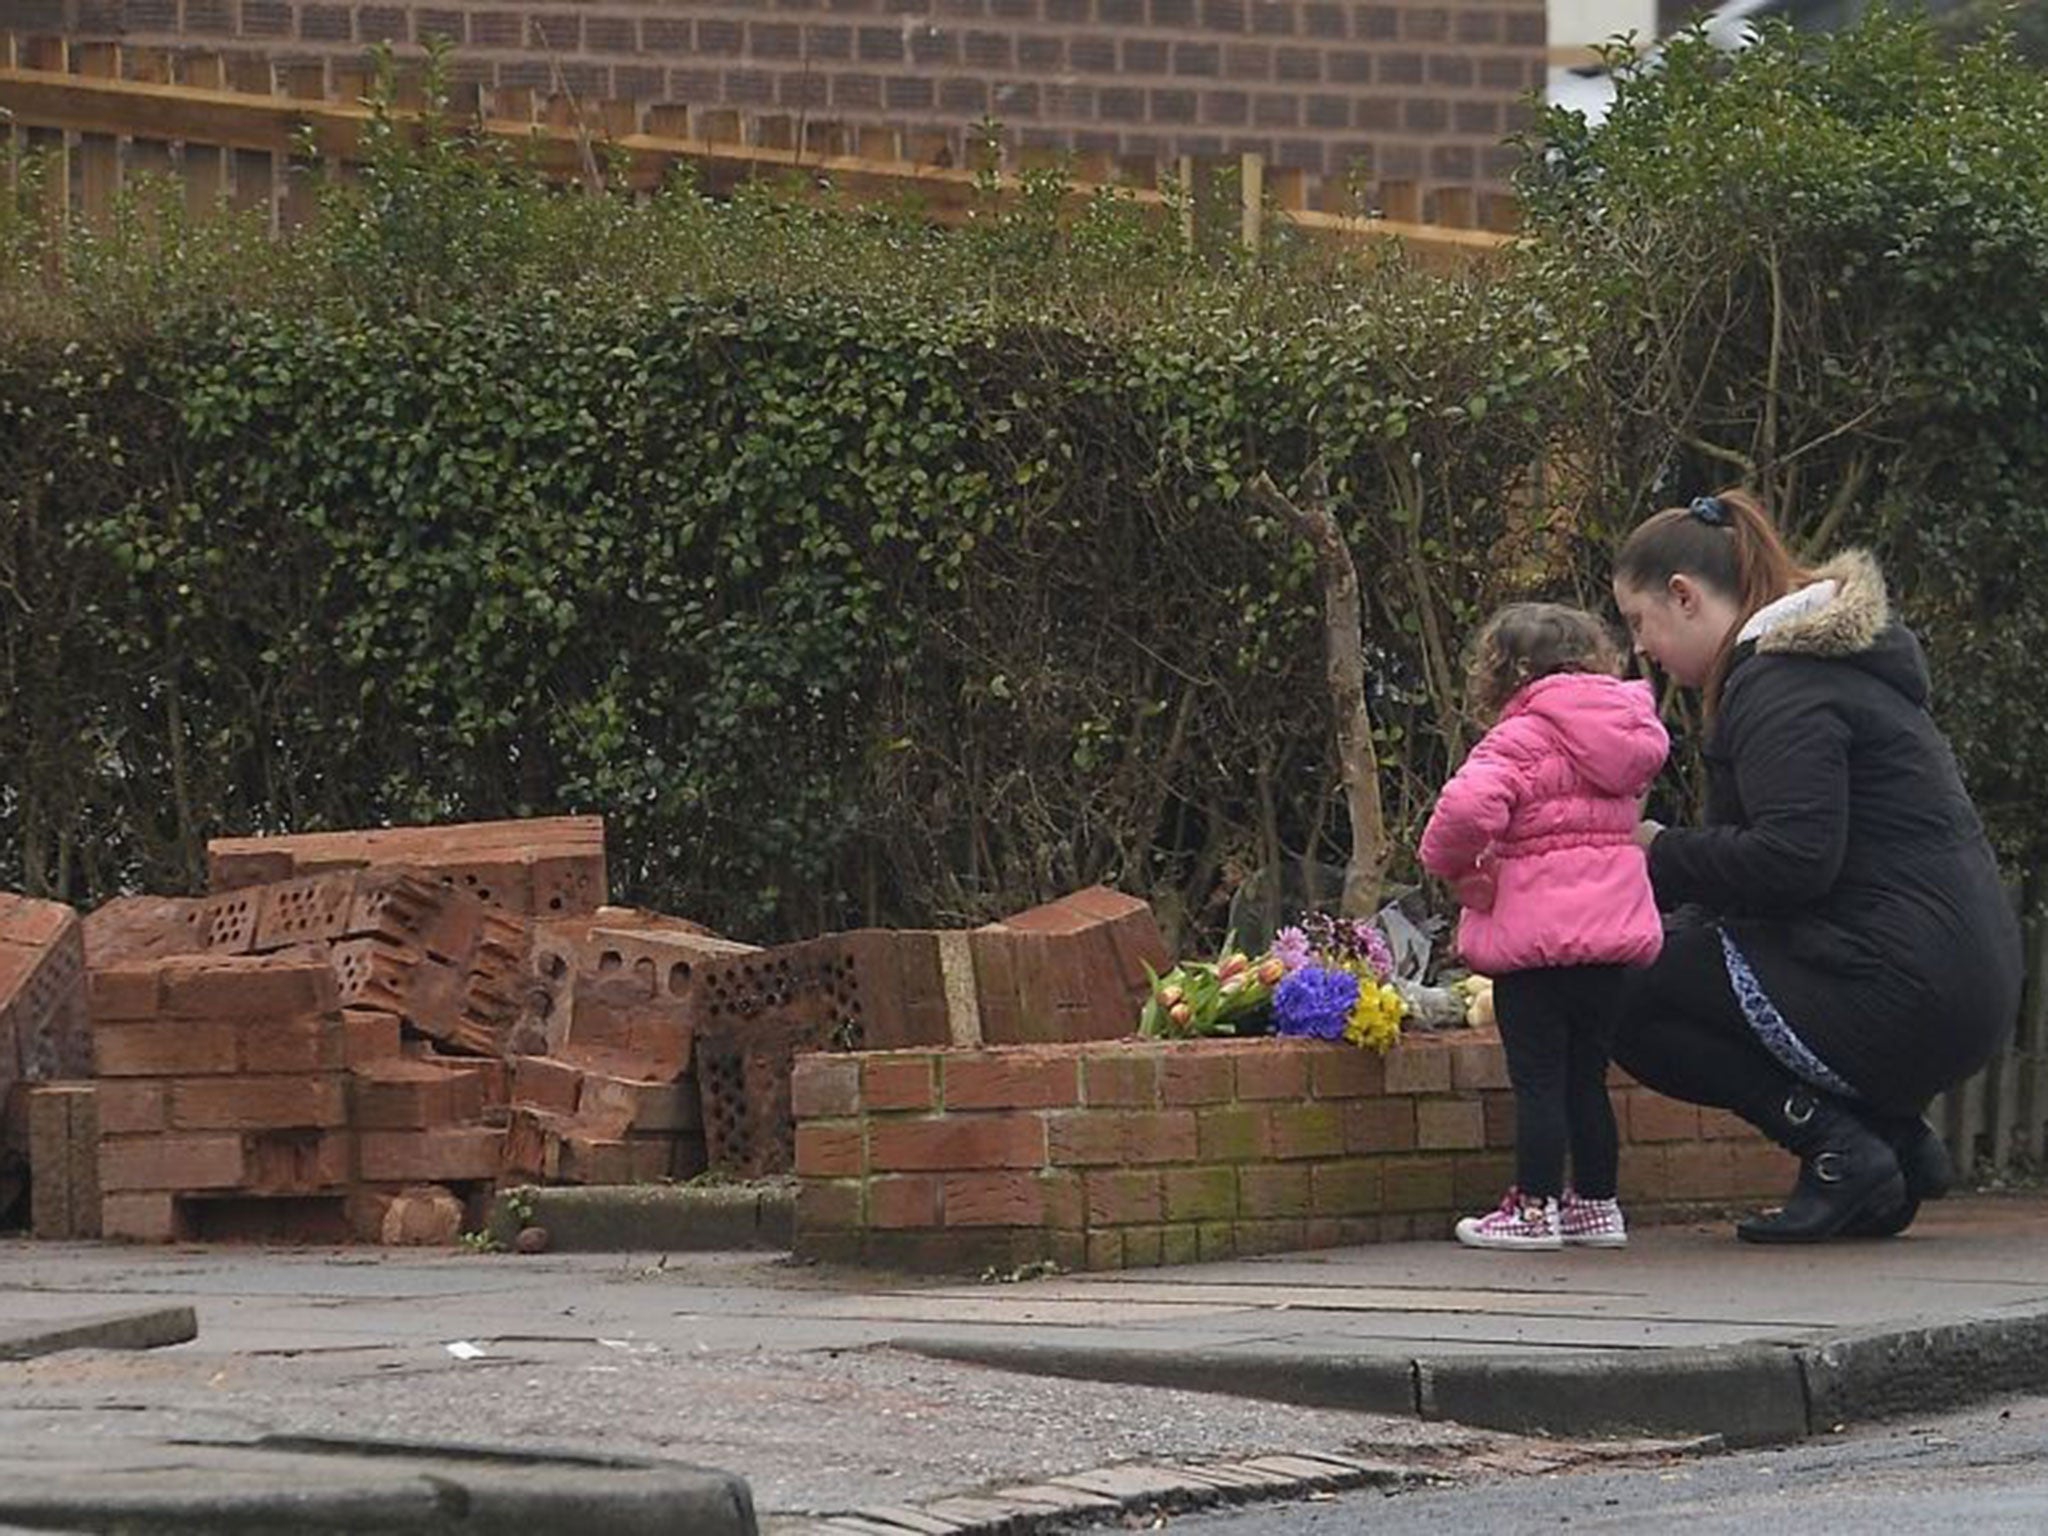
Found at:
[1376, 1020]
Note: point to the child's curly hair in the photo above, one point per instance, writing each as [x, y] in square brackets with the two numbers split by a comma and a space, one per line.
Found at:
[1525, 641]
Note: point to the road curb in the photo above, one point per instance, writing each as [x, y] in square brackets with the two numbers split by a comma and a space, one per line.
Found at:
[642, 1218]
[1915, 1367]
[316, 1486]
[153, 1328]
[1757, 1393]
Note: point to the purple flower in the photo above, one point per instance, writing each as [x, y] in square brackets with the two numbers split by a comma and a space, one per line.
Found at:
[1315, 1001]
[1291, 948]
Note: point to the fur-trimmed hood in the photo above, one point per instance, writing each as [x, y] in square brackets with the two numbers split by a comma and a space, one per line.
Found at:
[1854, 625]
[1849, 622]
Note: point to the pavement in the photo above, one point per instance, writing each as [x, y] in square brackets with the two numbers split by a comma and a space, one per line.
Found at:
[412, 1390]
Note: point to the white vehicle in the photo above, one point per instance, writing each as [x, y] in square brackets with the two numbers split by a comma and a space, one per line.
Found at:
[1589, 90]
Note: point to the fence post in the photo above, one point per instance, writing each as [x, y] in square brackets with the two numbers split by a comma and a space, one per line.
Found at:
[205, 165]
[2030, 1039]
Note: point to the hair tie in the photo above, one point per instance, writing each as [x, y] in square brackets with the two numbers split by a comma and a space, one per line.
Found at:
[1711, 510]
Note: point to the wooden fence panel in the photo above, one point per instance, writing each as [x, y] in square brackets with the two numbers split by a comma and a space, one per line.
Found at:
[232, 128]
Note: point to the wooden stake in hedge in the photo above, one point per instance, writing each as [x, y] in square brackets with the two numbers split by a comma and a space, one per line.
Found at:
[1357, 759]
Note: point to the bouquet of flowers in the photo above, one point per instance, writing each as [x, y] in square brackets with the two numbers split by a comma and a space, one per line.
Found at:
[1339, 983]
[1225, 996]
[1327, 978]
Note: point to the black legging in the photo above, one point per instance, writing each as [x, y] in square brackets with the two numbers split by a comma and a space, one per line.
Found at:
[1557, 1027]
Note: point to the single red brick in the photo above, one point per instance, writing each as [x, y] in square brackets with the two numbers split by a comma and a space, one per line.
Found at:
[828, 1205]
[1201, 1194]
[1379, 1125]
[1010, 1080]
[1233, 1133]
[1419, 1065]
[257, 1103]
[958, 1141]
[1352, 1186]
[129, 1104]
[171, 1162]
[906, 1200]
[1161, 1136]
[247, 987]
[1124, 1076]
[824, 1086]
[1118, 1199]
[132, 1217]
[1066, 1204]
[1275, 1069]
[315, 1043]
[1079, 1137]
[992, 1200]
[1449, 1124]
[405, 1094]
[898, 1082]
[164, 1048]
[1346, 1072]
[1194, 1076]
[368, 1035]
[1273, 1189]
[1478, 1064]
[444, 1154]
[1144, 1246]
[828, 1150]
[1307, 1130]
[124, 991]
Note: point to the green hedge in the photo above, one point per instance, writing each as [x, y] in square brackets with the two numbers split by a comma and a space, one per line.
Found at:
[863, 573]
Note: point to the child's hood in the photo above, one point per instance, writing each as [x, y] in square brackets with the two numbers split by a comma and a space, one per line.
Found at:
[1607, 726]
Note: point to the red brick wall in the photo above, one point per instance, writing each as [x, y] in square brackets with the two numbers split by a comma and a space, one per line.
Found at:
[1413, 92]
[1115, 1155]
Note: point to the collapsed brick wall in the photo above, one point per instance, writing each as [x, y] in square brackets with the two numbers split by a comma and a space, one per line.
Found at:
[1408, 91]
[325, 1048]
[1115, 1155]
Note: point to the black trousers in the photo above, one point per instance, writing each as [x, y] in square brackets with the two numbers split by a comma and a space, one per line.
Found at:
[1557, 1027]
[1681, 1032]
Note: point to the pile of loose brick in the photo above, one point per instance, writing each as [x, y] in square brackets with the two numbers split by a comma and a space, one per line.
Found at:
[360, 1036]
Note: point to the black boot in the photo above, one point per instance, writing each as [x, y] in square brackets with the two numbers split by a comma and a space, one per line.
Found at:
[1847, 1174]
[1925, 1163]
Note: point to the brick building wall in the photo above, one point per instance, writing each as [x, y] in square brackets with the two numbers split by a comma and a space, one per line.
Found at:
[1358, 91]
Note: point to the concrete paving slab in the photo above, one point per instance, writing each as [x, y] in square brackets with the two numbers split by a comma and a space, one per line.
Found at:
[146, 1328]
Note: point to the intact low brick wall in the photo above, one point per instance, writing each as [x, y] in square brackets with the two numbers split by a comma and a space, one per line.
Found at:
[1121, 1154]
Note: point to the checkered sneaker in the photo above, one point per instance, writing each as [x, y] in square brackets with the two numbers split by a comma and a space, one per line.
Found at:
[1514, 1224]
[1591, 1223]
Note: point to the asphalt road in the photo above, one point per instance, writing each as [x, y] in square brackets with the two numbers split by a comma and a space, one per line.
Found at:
[1984, 1471]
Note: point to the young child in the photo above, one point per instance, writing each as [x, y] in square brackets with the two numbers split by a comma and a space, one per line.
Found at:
[1536, 836]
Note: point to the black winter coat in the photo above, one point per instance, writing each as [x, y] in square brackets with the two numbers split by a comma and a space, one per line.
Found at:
[1842, 853]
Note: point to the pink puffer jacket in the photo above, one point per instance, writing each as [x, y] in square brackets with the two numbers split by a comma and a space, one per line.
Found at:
[1536, 832]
